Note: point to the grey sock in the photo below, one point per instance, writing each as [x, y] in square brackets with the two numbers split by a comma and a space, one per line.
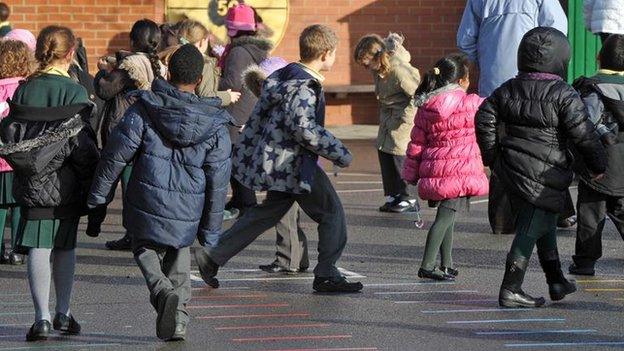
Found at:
[39, 280]
[63, 267]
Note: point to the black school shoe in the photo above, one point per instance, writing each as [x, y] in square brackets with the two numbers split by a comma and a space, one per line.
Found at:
[39, 331]
[335, 285]
[208, 269]
[180, 333]
[66, 324]
[167, 302]
[450, 271]
[276, 268]
[435, 274]
[404, 206]
[123, 244]
[580, 270]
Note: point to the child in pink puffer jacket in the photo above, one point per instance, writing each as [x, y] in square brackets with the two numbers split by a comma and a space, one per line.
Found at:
[17, 61]
[443, 156]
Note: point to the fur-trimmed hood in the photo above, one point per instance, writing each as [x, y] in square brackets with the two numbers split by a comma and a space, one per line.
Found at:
[394, 45]
[262, 43]
[253, 77]
[139, 69]
[30, 154]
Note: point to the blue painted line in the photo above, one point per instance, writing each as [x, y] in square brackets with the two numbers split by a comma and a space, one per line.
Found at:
[559, 344]
[524, 332]
[482, 321]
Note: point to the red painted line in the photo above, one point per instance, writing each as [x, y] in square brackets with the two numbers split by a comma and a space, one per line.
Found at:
[243, 305]
[248, 327]
[219, 297]
[269, 315]
[294, 337]
[335, 349]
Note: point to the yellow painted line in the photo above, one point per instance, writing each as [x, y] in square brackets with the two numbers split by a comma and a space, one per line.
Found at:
[618, 299]
[604, 289]
[587, 281]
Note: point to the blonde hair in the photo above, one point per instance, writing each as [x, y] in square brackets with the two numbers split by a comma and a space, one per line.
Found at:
[374, 45]
[316, 40]
[53, 43]
[16, 59]
[192, 31]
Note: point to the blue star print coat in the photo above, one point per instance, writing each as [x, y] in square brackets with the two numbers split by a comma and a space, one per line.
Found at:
[281, 142]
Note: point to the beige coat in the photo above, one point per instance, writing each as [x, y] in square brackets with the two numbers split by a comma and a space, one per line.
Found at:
[395, 93]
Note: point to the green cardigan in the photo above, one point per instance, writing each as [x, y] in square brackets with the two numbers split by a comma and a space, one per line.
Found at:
[50, 90]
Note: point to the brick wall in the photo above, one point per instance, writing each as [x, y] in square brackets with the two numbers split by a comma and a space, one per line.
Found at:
[103, 24]
[428, 25]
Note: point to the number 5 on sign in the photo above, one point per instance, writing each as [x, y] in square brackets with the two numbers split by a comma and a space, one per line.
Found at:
[212, 14]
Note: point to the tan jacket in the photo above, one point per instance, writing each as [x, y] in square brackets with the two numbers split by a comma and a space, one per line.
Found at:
[395, 94]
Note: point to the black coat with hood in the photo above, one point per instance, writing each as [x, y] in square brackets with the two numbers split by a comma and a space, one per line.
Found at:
[525, 127]
[243, 52]
[180, 150]
[53, 153]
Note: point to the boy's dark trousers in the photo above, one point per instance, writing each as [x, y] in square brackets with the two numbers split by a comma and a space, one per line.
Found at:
[322, 204]
[592, 208]
[164, 269]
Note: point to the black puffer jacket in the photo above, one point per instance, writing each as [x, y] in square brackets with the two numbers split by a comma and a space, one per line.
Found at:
[53, 153]
[524, 128]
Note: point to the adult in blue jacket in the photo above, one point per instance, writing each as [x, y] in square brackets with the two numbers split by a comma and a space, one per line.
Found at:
[490, 32]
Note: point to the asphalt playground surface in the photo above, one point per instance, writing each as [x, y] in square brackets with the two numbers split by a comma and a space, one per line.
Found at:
[395, 311]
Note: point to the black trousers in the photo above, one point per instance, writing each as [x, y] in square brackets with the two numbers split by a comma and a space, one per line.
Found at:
[242, 196]
[391, 167]
[322, 204]
[592, 208]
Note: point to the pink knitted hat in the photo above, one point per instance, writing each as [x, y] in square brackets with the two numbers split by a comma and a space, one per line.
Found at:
[24, 36]
[240, 17]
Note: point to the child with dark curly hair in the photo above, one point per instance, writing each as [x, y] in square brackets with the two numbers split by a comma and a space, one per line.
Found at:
[17, 62]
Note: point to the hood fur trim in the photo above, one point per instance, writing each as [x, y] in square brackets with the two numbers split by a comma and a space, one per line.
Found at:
[65, 130]
[262, 43]
[421, 99]
[253, 78]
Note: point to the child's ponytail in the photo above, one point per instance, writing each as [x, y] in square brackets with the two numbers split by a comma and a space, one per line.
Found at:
[53, 43]
[145, 36]
[448, 70]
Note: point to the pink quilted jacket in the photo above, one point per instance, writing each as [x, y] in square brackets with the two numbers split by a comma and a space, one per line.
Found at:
[7, 88]
[443, 155]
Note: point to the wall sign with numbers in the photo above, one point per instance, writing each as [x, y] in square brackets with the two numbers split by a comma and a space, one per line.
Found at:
[212, 14]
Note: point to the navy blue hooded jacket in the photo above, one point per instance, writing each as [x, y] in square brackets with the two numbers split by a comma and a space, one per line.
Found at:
[180, 150]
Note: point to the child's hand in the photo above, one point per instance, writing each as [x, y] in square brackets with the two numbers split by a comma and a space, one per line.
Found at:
[234, 95]
[597, 177]
[104, 63]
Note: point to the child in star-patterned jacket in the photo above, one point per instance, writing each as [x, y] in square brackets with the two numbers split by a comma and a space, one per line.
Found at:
[278, 153]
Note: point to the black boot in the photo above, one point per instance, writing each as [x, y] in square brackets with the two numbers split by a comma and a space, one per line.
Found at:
[511, 294]
[558, 285]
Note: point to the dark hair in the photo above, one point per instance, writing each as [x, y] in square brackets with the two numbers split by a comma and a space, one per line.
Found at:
[53, 44]
[145, 36]
[612, 53]
[186, 65]
[5, 11]
[373, 45]
[448, 70]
